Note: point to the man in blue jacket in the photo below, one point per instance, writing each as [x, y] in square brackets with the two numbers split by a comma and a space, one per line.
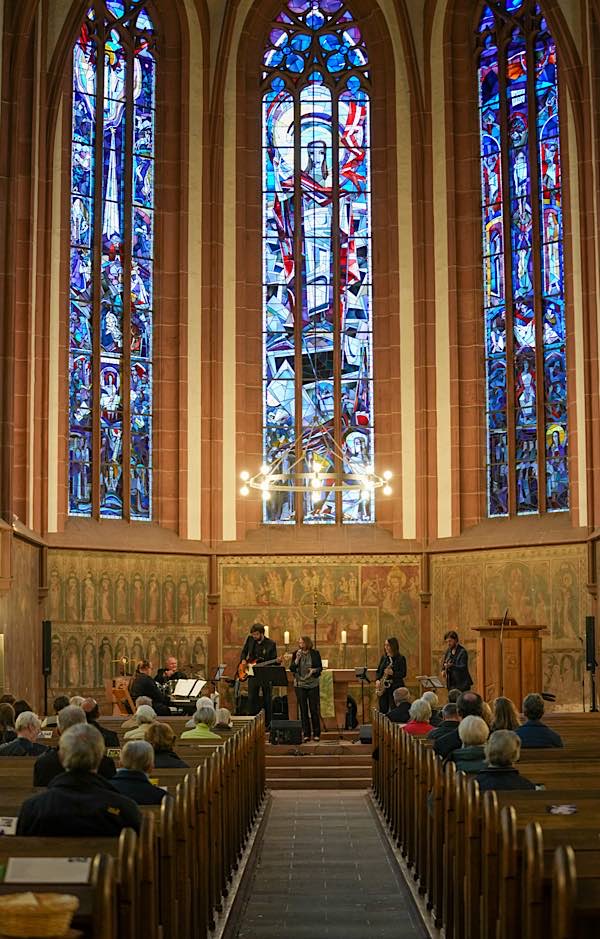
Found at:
[533, 734]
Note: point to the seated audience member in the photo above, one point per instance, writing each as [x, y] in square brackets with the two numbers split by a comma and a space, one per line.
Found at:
[501, 751]
[534, 734]
[137, 760]
[27, 728]
[21, 707]
[204, 719]
[449, 723]
[143, 683]
[473, 731]
[469, 702]
[399, 714]
[131, 721]
[223, 719]
[505, 715]
[7, 723]
[77, 700]
[434, 703]
[79, 802]
[92, 713]
[420, 712]
[200, 703]
[8, 699]
[453, 695]
[145, 715]
[47, 766]
[58, 704]
[162, 738]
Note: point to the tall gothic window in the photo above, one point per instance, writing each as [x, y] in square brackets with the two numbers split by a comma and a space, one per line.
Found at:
[318, 395]
[526, 373]
[111, 267]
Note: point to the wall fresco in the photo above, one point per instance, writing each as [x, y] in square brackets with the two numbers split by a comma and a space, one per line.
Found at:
[537, 585]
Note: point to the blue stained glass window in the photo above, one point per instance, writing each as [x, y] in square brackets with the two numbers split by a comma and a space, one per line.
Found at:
[111, 264]
[318, 366]
[523, 287]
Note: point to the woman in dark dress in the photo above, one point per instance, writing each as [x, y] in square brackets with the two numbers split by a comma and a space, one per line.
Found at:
[390, 674]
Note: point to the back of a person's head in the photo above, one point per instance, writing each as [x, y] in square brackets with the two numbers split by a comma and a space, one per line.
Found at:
[469, 702]
[59, 703]
[70, 716]
[77, 700]
[8, 699]
[453, 695]
[26, 720]
[449, 712]
[21, 707]
[160, 737]
[204, 702]
[143, 699]
[92, 711]
[533, 707]
[503, 748]
[420, 710]
[137, 755]
[401, 694]
[432, 699]
[145, 714]
[473, 731]
[7, 715]
[505, 715]
[81, 748]
[223, 717]
[205, 715]
[142, 666]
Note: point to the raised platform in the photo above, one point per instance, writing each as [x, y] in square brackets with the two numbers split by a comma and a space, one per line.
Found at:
[333, 763]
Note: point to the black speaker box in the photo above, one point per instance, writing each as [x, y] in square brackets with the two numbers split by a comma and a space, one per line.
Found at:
[590, 643]
[365, 733]
[46, 646]
[286, 732]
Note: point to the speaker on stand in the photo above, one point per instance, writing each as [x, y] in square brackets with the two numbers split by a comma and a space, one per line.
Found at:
[590, 657]
[46, 657]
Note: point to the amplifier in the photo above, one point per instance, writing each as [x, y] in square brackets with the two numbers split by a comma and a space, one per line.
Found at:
[286, 732]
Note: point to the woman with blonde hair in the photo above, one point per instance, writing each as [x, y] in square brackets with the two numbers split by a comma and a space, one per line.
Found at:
[162, 738]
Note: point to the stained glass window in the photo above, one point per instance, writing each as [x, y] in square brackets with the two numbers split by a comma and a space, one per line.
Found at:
[111, 263]
[318, 368]
[523, 276]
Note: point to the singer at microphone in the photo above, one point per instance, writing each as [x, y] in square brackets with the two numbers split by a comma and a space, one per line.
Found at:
[306, 667]
[455, 666]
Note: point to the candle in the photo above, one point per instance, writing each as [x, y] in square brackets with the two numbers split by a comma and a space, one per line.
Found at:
[365, 634]
[267, 631]
[286, 638]
[344, 637]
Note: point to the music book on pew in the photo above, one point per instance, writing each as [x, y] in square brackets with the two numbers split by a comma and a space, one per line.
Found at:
[8, 825]
[48, 870]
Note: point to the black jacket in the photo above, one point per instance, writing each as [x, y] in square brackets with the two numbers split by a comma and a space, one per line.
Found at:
[399, 714]
[535, 736]
[457, 668]
[111, 739]
[254, 651]
[48, 766]
[398, 669]
[20, 746]
[315, 662]
[144, 685]
[446, 727]
[135, 785]
[501, 777]
[445, 744]
[78, 805]
[162, 679]
[168, 759]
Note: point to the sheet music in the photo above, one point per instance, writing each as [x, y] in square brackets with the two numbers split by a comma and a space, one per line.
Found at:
[48, 870]
[183, 688]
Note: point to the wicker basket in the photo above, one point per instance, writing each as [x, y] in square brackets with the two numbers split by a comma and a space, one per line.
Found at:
[39, 915]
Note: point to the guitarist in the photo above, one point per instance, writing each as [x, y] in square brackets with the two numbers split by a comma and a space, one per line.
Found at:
[257, 648]
[390, 674]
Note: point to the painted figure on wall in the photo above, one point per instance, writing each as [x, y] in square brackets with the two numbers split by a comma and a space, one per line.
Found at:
[121, 599]
[138, 599]
[89, 599]
[152, 655]
[121, 651]
[565, 604]
[169, 600]
[106, 599]
[153, 599]
[183, 652]
[137, 652]
[89, 664]
[54, 591]
[184, 601]
[72, 662]
[56, 662]
[105, 658]
[199, 598]
[72, 598]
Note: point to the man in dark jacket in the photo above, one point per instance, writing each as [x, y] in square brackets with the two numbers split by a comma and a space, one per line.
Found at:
[258, 649]
[27, 728]
[144, 684]
[502, 750]
[47, 766]
[468, 703]
[92, 713]
[456, 664]
[449, 722]
[137, 760]
[399, 713]
[533, 734]
[79, 803]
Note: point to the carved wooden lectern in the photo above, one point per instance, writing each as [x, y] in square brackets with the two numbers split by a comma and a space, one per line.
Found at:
[509, 660]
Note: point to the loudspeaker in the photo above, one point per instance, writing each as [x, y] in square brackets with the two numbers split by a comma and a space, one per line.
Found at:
[590, 643]
[365, 733]
[286, 732]
[46, 646]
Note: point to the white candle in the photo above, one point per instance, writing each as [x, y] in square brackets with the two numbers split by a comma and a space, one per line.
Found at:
[267, 631]
[344, 637]
[286, 638]
[365, 634]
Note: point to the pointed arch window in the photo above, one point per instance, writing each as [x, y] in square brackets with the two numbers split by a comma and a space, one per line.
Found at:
[317, 276]
[523, 273]
[111, 263]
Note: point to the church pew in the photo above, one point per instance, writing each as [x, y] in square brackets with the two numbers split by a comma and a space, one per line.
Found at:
[575, 900]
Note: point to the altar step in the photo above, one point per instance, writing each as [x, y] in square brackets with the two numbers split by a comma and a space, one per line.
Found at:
[314, 767]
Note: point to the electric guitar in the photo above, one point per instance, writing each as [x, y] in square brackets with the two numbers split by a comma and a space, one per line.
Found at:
[245, 669]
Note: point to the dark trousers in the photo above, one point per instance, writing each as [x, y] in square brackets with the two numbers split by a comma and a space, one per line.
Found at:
[254, 703]
[386, 701]
[308, 700]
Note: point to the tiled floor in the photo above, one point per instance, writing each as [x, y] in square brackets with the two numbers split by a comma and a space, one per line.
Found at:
[323, 869]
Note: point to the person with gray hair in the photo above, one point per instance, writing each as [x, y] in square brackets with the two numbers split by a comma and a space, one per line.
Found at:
[434, 703]
[223, 719]
[145, 715]
[502, 750]
[470, 758]
[400, 713]
[78, 802]
[204, 719]
[77, 700]
[131, 721]
[137, 761]
[27, 729]
[200, 703]
[418, 725]
[48, 766]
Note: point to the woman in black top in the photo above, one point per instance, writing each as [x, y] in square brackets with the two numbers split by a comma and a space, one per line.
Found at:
[391, 672]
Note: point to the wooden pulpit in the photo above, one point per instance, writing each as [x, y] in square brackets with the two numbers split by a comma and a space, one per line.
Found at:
[509, 660]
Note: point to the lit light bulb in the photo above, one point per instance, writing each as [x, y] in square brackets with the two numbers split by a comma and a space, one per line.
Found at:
[245, 475]
[265, 469]
[316, 483]
[265, 485]
[387, 475]
[244, 491]
[266, 495]
[387, 490]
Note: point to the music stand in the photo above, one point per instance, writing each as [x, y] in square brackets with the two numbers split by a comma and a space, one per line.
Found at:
[219, 672]
[362, 675]
[269, 676]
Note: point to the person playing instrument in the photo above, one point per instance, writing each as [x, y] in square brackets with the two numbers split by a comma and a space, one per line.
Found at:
[169, 673]
[390, 674]
[258, 648]
[144, 684]
[455, 667]
[306, 667]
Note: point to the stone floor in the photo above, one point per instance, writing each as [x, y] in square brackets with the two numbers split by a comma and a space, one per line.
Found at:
[322, 868]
